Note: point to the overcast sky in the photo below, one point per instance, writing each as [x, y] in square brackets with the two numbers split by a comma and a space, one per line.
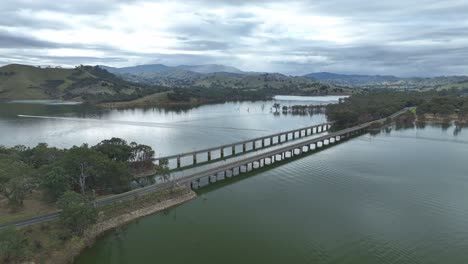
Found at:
[399, 37]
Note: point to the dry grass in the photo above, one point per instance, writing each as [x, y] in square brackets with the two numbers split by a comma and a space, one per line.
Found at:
[33, 205]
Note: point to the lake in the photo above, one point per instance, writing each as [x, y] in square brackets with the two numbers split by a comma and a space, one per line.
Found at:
[168, 131]
[396, 197]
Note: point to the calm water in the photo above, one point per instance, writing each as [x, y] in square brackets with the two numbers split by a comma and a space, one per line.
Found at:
[167, 131]
[398, 197]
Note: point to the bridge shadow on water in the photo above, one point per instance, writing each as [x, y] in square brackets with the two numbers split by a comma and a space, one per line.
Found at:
[245, 175]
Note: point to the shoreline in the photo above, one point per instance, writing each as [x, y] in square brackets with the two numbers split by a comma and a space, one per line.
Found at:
[101, 228]
[111, 217]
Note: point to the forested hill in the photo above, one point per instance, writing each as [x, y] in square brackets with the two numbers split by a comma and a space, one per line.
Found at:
[390, 81]
[218, 76]
[82, 83]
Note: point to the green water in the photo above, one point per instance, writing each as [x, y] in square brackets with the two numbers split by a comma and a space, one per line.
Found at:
[397, 197]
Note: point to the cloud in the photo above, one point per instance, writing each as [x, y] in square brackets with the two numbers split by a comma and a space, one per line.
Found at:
[405, 38]
[11, 40]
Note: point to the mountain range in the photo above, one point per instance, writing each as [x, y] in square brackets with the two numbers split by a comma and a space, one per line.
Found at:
[210, 75]
[226, 76]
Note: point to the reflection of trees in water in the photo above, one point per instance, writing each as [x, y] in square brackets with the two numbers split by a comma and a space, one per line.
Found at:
[421, 124]
[458, 128]
[445, 125]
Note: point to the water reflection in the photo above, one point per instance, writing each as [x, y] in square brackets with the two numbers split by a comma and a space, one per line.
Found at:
[168, 130]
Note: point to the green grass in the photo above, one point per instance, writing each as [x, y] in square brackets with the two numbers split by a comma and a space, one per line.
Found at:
[27, 80]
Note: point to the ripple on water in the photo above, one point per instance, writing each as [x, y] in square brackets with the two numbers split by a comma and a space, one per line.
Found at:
[361, 202]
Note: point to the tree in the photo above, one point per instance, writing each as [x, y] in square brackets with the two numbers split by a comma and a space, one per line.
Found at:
[115, 148]
[15, 180]
[142, 156]
[276, 106]
[82, 163]
[12, 245]
[163, 169]
[55, 181]
[43, 155]
[114, 175]
[77, 212]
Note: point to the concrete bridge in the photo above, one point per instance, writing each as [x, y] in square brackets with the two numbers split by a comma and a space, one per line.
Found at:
[199, 157]
[235, 168]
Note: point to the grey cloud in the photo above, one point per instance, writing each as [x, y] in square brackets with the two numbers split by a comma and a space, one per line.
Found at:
[9, 40]
[406, 38]
[203, 45]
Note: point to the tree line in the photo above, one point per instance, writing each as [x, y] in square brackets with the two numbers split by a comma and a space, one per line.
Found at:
[375, 104]
[69, 178]
[107, 167]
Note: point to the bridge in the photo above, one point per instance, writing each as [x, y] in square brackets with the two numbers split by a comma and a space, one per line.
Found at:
[242, 165]
[200, 157]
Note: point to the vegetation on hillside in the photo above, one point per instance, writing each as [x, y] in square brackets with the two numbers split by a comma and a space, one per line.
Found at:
[97, 85]
[83, 83]
[376, 104]
[390, 82]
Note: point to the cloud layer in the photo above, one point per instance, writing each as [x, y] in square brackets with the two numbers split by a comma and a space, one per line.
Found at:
[405, 38]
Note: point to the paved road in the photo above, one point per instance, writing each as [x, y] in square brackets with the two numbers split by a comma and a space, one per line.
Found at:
[199, 174]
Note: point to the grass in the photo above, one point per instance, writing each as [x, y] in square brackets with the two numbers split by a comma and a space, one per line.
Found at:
[149, 100]
[25, 82]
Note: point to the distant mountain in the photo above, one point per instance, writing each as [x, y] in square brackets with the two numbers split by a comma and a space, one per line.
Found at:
[152, 68]
[389, 81]
[353, 80]
[181, 77]
[137, 69]
[209, 68]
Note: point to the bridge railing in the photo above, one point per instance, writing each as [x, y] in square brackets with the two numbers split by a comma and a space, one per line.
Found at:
[280, 137]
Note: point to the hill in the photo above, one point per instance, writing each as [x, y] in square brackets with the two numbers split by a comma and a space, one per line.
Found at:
[155, 85]
[201, 76]
[389, 81]
[83, 83]
[159, 68]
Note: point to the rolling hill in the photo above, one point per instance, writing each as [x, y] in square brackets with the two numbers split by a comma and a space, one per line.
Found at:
[84, 83]
[222, 77]
[389, 81]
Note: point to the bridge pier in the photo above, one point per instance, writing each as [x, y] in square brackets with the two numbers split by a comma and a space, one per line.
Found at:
[194, 185]
[222, 153]
[233, 150]
[244, 148]
[178, 161]
[209, 155]
[194, 159]
[212, 179]
[241, 167]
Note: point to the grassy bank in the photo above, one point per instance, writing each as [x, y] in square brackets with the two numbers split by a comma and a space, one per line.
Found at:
[52, 243]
